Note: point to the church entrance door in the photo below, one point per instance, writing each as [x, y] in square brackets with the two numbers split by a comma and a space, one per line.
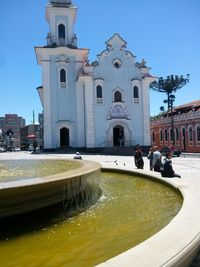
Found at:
[118, 135]
[64, 137]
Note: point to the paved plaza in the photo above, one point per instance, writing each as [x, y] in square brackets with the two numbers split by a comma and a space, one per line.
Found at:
[187, 165]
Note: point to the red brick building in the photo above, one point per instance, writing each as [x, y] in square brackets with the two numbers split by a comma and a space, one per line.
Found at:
[186, 121]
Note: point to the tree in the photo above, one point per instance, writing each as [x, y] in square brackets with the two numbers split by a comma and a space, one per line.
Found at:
[169, 85]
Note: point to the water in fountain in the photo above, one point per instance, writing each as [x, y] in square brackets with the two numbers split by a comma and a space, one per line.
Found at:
[131, 210]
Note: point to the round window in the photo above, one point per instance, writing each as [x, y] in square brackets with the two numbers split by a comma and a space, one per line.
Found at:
[117, 63]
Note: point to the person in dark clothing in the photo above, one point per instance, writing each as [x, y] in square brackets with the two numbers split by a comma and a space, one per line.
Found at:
[166, 169]
[139, 163]
[150, 158]
[34, 146]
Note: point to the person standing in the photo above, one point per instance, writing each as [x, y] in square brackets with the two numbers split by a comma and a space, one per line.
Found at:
[34, 146]
[139, 163]
[157, 157]
[150, 158]
[167, 169]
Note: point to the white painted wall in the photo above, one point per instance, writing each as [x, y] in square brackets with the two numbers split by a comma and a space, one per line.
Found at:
[75, 106]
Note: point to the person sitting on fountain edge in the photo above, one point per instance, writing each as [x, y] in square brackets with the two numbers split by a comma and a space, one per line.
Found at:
[166, 169]
[77, 156]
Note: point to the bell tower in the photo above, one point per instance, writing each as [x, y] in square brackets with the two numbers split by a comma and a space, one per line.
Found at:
[62, 62]
[61, 15]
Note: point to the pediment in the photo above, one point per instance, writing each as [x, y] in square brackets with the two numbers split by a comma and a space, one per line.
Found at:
[116, 39]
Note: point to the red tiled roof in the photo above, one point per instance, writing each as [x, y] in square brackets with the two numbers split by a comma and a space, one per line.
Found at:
[193, 104]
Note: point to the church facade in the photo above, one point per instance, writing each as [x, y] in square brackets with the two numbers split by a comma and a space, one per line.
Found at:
[97, 105]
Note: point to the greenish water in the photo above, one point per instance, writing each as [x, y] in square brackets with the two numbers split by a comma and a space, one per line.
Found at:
[11, 170]
[131, 210]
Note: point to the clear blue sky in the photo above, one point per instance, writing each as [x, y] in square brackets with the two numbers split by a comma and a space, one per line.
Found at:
[166, 33]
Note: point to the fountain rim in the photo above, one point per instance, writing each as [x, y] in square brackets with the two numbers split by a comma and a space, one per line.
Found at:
[85, 167]
[175, 245]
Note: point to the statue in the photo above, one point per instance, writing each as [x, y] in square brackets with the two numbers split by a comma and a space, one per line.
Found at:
[48, 38]
[143, 64]
[74, 41]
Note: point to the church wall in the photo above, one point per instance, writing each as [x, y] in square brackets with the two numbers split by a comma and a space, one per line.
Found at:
[118, 79]
[47, 105]
[89, 112]
[80, 93]
[146, 113]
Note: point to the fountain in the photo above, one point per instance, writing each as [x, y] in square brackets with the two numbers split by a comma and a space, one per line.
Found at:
[46, 182]
[120, 216]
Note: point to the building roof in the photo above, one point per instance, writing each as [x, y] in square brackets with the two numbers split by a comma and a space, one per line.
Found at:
[188, 107]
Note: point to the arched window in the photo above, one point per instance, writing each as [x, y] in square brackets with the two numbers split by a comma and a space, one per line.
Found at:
[153, 137]
[117, 96]
[136, 94]
[99, 94]
[161, 135]
[198, 133]
[190, 134]
[171, 134]
[177, 134]
[62, 78]
[99, 91]
[166, 135]
[61, 31]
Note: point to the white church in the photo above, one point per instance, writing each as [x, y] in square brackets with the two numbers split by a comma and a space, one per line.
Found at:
[98, 105]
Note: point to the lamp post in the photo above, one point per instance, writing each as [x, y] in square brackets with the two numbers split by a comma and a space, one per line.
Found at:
[171, 102]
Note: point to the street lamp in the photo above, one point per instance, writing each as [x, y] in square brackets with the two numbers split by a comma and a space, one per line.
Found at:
[171, 102]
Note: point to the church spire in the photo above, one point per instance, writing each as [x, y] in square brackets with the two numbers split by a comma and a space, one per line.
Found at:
[61, 15]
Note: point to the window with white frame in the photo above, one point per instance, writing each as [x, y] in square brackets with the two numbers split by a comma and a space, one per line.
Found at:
[117, 96]
[99, 94]
[62, 78]
[61, 31]
[190, 132]
[135, 94]
[61, 34]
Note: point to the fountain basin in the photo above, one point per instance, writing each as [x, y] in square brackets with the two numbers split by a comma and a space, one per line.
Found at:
[121, 219]
[76, 188]
[177, 244]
